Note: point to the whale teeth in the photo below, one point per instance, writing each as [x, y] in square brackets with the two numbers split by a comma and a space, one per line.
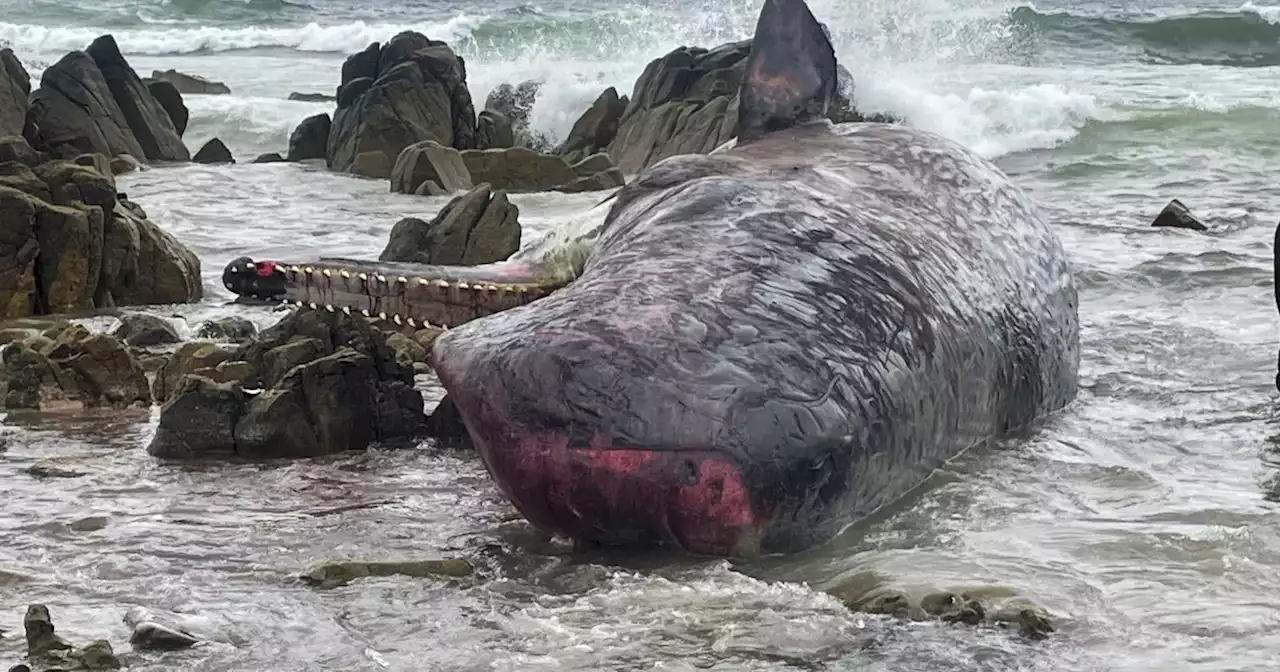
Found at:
[249, 266]
[294, 269]
[402, 280]
[382, 316]
[327, 273]
[311, 305]
[364, 276]
[423, 282]
[396, 318]
[491, 288]
[308, 270]
[230, 286]
[444, 284]
[409, 321]
[235, 269]
[346, 310]
[344, 273]
[463, 285]
[382, 278]
[298, 303]
[364, 312]
[328, 307]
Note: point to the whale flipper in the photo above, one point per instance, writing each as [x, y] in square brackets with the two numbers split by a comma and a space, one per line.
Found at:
[791, 71]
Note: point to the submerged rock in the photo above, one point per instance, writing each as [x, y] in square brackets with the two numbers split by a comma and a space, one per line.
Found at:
[144, 330]
[188, 358]
[478, 227]
[149, 121]
[312, 97]
[213, 151]
[309, 139]
[429, 161]
[169, 98]
[151, 633]
[42, 640]
[1001, 607]
[1178, 216]
[190, 84]
[234, 329]
[58, 467]
[336, 574]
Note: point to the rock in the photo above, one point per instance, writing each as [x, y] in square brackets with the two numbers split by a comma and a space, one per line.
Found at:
[124, 164]
[58, 467]
[408, 351]
[51, 255]
[445, 423]
[16, 148]
[592, 164]
[427, 337]
[373, 164]
[143, 264]
[76, 112]
[517, 169]
[199, 420]
[143, 330]
[410, 90]
[1177, 216]
[167, 95]
[429, 161]
[190, 84]
[269, 157]
[336, 574]
[312, 97]
[478, 227]
[89, 524]
[33, 380]
[430, 188]
[152, 636]
[147, 118]
[15, 88]
[330, 383]
[595, 129]
[21, 178]
[493, 131]
[605, 179]
[213, 152]
[515, 103]
[309, 139]
[104, 371]
[234, 329]
[97, 655]
[226, 372]
[41, 638]
[188, 358]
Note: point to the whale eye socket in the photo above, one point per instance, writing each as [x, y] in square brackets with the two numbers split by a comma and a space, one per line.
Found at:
[690, 476]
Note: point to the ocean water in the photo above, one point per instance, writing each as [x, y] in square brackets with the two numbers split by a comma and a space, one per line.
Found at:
[1144, 517]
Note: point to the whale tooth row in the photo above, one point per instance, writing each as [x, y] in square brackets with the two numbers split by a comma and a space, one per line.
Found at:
[517, 288]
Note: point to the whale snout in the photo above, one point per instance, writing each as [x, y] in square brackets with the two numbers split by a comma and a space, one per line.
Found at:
[577, 478]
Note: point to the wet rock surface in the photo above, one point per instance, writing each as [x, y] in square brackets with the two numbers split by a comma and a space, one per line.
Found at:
[1176, 215]
[213, 151]
[336, 574]
[309, 139]
[324, 383]
[478, 227]
[144, 330]
[190, 84]
[78, 366]
[48, 651]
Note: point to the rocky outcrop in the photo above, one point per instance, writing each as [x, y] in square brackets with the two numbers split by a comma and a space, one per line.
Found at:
[595, 173]
[309, 139]
[76, 113]
[493, 131]
[143, 264]
[143, 330]
[149, 121]
[514, 104]
[234, 329]
[410, 90]
[596, 128]
[312, 97]
[1175, 215]
[93, 369]
[686, 102]
[49, 651]
[517, 169]
[329, 383]
[190, 84]
[167, 95]
[429, 161]
[478, 227]
[15, 87]
[213, 151]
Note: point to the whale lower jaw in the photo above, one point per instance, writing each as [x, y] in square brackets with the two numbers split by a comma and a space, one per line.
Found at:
[418, 295]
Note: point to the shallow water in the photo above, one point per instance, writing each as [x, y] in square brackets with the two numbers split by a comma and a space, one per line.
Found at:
[1143, 517]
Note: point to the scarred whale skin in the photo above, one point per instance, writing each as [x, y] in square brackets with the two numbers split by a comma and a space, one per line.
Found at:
[766, 344]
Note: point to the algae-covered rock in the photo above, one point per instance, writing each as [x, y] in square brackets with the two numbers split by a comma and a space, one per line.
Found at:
[332, 575]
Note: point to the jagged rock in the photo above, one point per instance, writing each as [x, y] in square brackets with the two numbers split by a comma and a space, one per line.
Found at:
[596, 128]
[373, 164]
[124, 164]
[330, 383]
[16, 148]
[213, 152]
[408, 351]
[309, 139]
[169, 98]
[336, 574]
[143, 264]
[269, 157]
[312, 97]
[147, 118]
[592, 164]
[42, 639]
[429, 161]
[234, 329]
[517, 169]
[76, 113]
[515, 103]
[104, 371]
[430, 188]
[143, 330]
[686, 102]
[445, 424]
[493, 131]
[59, 246]
[605, 179]
[190, 84]
[18, 176]
[1178, 216]
[478, 227]
[97, 655]
[33, 380]
[152, 636]
[410, 90]
[15, 88]
[58, 467]
[189, 357]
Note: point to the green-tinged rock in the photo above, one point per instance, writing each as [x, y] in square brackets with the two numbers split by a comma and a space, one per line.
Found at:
[332, 575]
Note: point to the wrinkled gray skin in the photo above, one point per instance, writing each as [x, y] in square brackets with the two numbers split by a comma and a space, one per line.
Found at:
[832, 312]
